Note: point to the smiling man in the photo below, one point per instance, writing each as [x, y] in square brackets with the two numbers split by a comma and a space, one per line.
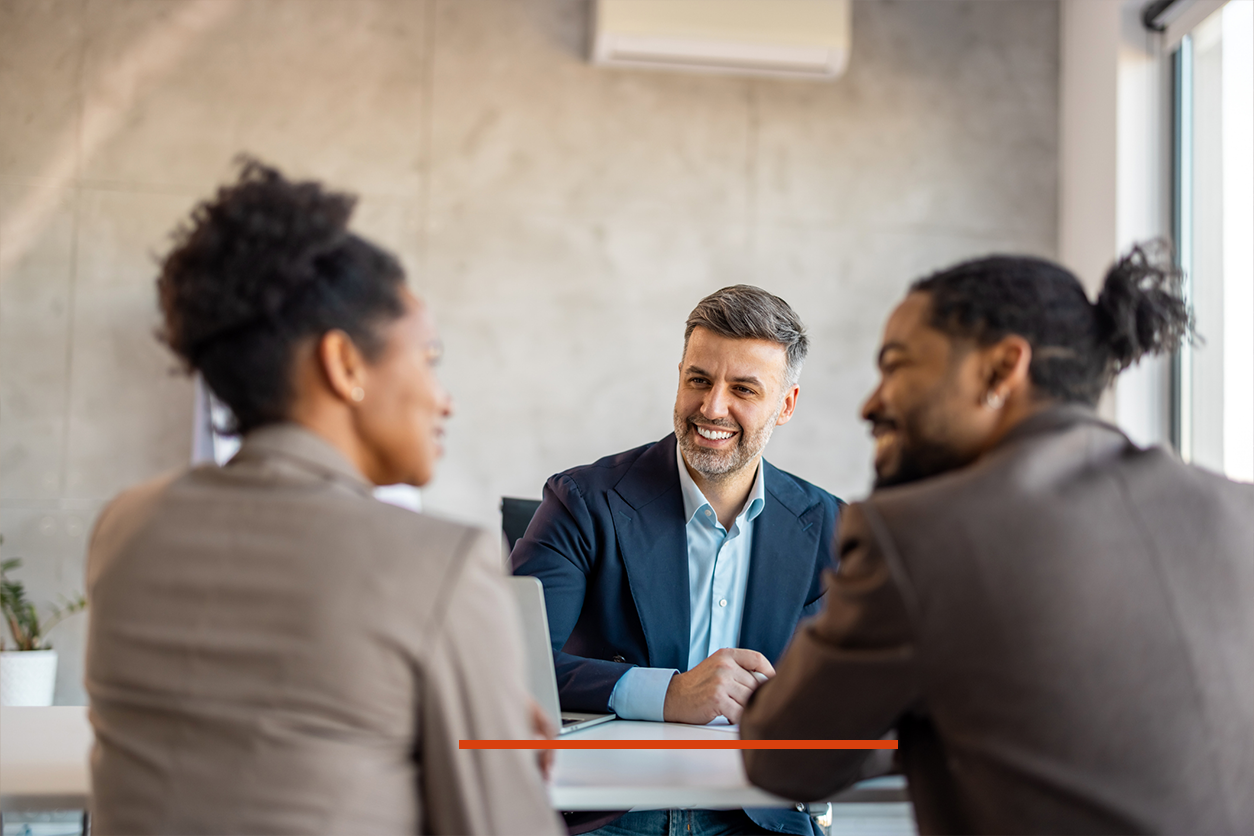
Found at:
[675, 573]
[1056, 621]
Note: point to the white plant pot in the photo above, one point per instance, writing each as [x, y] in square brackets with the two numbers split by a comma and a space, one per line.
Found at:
[27, 677]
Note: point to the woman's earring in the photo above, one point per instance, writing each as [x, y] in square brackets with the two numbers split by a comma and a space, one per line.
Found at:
[358, 394]
[994, 400]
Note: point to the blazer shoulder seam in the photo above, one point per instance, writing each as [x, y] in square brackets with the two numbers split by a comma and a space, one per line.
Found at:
[566, 477]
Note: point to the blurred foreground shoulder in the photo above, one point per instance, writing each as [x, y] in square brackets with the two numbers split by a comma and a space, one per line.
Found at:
[475, 689]
[123, 518]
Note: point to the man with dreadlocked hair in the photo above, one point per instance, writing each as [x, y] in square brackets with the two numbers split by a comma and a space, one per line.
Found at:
[1057, 623]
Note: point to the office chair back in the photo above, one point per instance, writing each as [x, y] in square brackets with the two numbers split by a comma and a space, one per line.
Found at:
[516, 515]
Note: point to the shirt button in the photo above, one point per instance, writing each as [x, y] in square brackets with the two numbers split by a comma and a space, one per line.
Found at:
[722, 602]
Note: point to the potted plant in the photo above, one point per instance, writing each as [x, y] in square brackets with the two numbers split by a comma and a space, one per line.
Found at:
[28, 673]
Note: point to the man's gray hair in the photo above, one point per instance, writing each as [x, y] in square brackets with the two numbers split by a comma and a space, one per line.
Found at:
[745, 312]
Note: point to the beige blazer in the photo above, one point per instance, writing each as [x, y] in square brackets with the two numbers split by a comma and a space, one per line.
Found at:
[1062, 635]
[271, 650]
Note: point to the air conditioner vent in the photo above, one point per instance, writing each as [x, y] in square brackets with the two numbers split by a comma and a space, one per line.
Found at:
[792, 38]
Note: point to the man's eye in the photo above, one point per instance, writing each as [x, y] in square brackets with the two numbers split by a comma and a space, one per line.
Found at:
[698, 381]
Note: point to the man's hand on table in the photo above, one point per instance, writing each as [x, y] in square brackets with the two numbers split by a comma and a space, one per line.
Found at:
[719, 686]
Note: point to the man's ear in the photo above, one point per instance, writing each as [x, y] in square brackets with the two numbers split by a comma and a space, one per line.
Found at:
[343, 366]
[790, 403]
[1008, 363]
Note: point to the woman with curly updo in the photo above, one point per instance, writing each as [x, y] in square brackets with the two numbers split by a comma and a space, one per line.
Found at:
[272, 650]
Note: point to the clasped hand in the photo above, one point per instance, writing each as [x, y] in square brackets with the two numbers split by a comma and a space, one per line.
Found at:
[721, 685]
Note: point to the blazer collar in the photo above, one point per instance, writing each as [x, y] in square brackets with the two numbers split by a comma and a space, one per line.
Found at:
[781, 572]
[647, 507]
[785, 490]
[652, 476]
[1053, 419]
[295, 445]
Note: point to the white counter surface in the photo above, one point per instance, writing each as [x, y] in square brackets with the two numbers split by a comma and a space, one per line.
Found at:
[44, 766]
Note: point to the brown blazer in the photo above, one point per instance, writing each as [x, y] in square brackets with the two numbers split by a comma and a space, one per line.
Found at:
[271, 650]
[1061, 634]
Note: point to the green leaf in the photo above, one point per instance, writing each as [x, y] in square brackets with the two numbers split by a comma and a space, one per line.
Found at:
[22, 617]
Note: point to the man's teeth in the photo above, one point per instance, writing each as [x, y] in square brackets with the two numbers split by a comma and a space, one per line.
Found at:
[713, 435]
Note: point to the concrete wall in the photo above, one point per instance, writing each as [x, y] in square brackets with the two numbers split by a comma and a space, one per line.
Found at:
[561, 219]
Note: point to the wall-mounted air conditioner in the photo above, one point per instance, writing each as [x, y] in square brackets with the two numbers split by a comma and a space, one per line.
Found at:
[791, 38]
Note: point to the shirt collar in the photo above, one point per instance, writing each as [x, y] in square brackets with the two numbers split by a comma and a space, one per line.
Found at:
[694, 500]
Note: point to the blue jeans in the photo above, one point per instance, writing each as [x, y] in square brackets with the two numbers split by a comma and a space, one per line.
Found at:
[680, 823]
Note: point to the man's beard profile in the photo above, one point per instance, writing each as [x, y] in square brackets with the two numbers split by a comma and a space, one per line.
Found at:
[918, 458]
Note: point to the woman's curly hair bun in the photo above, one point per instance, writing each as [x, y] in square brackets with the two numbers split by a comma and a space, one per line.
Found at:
[246, 253]
[263, 265]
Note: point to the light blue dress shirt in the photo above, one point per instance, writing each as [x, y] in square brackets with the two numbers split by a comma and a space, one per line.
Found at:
[718, 575]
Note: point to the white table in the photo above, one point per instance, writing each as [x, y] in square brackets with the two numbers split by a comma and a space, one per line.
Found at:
[43, 758]
[44, 752]
[663, 779]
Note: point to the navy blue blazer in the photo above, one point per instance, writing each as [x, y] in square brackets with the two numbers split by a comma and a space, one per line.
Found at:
[609, 544]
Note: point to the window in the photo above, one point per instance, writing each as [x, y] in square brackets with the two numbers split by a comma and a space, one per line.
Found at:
[1214, 214]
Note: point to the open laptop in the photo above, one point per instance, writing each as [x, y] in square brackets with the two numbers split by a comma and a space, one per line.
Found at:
[528, 593]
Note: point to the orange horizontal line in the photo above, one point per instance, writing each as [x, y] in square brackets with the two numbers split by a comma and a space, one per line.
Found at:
[677, 744]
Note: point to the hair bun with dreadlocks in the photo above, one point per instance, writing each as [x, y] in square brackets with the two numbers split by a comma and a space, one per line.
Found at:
[1140, 310]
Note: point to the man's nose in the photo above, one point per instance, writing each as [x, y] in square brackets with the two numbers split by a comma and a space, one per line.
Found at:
[873, 404]
[715, 404]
